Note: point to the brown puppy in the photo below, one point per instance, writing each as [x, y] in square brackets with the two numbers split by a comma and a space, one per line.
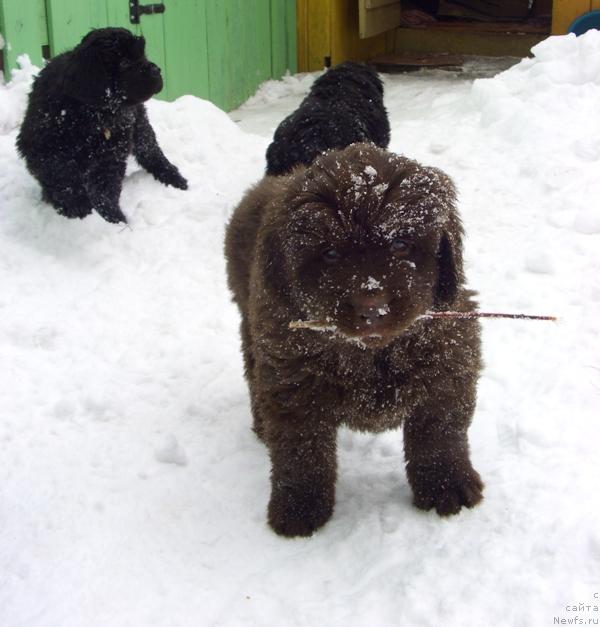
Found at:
[364, 242]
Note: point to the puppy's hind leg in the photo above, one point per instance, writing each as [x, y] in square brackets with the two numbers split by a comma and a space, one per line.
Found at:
[149, 155]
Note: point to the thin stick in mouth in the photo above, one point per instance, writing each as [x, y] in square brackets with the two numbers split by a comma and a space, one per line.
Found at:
[467, 315]
[315, 325]
[321, 325]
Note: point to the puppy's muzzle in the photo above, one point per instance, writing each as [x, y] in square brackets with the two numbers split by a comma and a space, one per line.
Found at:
[154, 71]
[155, 76]
[370, 310]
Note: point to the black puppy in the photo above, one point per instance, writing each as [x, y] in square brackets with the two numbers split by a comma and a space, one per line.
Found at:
[344, 106]
[85, 116]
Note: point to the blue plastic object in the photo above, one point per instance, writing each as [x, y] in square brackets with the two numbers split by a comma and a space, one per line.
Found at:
[585, 22]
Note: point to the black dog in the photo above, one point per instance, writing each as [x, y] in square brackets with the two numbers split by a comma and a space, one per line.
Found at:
[85, 116]
[344, 106]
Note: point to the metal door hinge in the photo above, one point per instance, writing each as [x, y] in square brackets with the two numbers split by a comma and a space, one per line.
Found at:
[136, 9]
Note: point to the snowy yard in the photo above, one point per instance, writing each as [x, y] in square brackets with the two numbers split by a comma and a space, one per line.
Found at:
[132, 490]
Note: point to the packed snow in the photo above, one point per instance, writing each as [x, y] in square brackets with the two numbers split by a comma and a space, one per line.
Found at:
[132, 490]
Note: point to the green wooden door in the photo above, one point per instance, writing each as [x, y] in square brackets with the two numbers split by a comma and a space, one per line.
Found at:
[220, 50]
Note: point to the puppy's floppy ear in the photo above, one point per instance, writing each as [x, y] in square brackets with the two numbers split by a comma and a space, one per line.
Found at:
[450, 264]
[85, 77]
[273, 262]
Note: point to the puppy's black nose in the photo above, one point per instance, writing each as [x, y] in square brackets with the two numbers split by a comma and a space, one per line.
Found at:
[154, 70]
[371, 308]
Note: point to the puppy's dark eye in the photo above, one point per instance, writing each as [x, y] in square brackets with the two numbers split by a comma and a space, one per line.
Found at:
[331, 255]
[400, 247]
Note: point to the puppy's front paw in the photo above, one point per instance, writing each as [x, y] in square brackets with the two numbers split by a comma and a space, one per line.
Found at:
[112, 214]
[445, 489]
[296, 510]
[172, 176]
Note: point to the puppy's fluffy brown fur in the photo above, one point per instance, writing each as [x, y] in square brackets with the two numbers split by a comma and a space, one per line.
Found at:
[365, 241]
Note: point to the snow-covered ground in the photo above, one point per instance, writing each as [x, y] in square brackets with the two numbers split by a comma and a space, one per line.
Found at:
[132, 491]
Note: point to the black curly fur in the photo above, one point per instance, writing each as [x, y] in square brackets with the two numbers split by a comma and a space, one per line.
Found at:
[344, 106]
[85, 116]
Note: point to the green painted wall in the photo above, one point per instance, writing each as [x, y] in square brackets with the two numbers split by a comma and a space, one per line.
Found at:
[220, 50]
[186, 38]
[22, 24]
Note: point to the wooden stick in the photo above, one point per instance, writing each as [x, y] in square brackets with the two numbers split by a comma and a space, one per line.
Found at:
[321, 325]
[317, 325]
[483, 314]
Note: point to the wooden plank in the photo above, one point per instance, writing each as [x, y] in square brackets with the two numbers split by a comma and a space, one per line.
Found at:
[219, 45]
[186, 48]
[376, 4]
[378, 16]
[251, 56]
[291, 36]
[239, 49]
[42, 21]
[565, 11]
[117, 14]
[535, 27]
[319, 28]
[283, 37]
[257, 47]
[398, 62]
[240, 57]
[425, 40]
[302, 37]
[278, 39]
[595, 6]
[23, 30]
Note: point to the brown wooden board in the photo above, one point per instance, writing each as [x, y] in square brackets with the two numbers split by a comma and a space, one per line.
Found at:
[402, 62]
[534, 27]
[378, 16]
